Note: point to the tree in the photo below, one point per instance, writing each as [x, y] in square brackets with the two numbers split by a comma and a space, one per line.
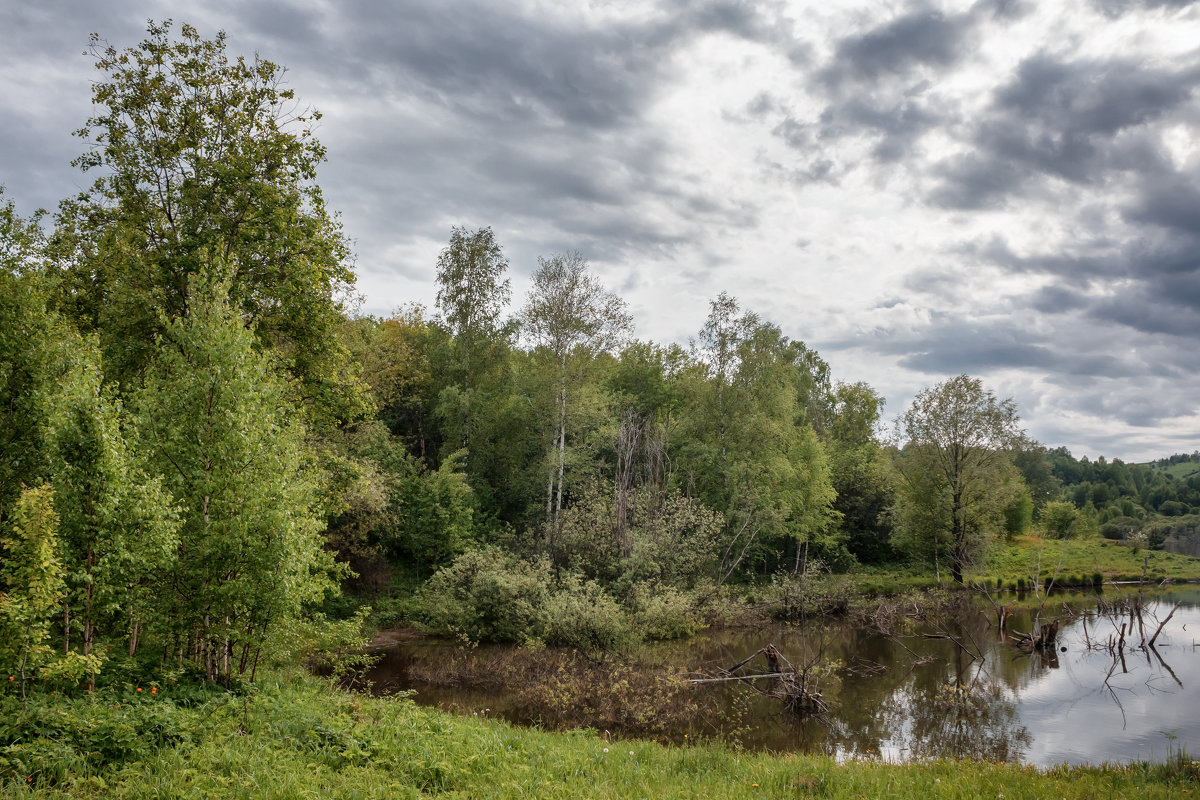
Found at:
[720, 338]
[31, 582]
[957, 467]
[864, 491]
[569, 316]
[472, 293]
[204, 157]
[1058, 519]
[213, 419]
[752, 451]
[116, 523]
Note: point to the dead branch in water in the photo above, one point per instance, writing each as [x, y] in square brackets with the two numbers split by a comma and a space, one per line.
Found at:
[795, 686]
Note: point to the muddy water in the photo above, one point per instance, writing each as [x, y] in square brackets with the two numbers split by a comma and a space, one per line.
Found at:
[951, 687]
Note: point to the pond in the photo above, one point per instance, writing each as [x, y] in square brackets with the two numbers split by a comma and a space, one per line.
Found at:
[952, 686]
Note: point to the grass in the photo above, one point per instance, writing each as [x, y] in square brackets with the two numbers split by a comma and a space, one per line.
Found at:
[1181, 470]
[299, 738]
[1077, 560]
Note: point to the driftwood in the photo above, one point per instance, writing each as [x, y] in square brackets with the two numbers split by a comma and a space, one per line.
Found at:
[739, 677]
[795, 686]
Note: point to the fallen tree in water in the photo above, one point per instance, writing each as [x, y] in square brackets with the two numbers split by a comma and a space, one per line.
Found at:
[795, 686]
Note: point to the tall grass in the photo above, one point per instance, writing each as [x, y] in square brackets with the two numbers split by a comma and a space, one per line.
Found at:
[298, 737]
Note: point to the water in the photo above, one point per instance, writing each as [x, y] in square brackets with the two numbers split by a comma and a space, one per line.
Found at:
[921, 694]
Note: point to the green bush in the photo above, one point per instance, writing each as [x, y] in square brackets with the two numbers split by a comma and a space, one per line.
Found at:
[791, 598]
[584, 616]
[663, 612]
[486, 595]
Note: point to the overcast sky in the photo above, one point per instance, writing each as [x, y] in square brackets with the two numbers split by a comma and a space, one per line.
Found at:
[1002, 188]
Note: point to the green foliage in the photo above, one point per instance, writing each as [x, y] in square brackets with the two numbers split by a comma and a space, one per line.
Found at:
[486, 595]
[118, 525]
[661, 613]
[213, 419]
[750, 447]
[204, 157]
[582, 615]
[1018, 515]
[791, 598]
[859, 473]
[31, 579]
[1058, 519]
[435, 514]
[40, 355]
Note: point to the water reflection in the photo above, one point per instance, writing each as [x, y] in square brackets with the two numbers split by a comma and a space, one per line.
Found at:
[954, 687]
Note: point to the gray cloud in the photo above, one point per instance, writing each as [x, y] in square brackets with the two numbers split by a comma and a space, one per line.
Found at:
[1072, 120]
[1117, 8]
[1045, 226]
[917, 39]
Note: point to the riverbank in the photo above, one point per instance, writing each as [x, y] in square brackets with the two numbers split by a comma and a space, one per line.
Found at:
[300, 737]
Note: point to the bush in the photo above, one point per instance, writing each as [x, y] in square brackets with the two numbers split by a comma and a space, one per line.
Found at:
[792, 598]
[584, 616]
[486, 595]
[663, 612]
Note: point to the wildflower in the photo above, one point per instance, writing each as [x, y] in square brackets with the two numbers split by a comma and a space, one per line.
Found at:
[153, 690]
[606, 749]
[754, 784]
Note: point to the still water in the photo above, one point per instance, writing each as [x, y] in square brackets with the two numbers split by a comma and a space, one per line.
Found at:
[954, 687]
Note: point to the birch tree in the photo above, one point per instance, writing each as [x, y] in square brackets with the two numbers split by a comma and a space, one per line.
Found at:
[569, 317]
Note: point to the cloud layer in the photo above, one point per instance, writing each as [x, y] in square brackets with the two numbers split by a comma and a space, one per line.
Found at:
[1003, 188]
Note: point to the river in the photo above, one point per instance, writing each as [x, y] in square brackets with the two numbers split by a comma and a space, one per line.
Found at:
[948, 687]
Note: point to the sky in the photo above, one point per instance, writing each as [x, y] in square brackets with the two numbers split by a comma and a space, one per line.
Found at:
[917, 190]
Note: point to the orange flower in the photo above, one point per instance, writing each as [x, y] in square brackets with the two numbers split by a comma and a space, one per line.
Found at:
[139, 688]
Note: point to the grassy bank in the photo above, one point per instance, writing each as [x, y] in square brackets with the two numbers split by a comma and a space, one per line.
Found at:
[300, 738]
[1077, 559]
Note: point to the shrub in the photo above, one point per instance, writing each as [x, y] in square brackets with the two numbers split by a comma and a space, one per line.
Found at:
[663, 612]
[584, 616]
[791, 598]
[486, 595]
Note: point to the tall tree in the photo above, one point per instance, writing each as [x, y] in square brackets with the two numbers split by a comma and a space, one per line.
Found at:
[717, 349]
[959, 441]
[569, 316]
[752, 451]
[864, 492]
[472, 294]
[204, 157]
[214, 420]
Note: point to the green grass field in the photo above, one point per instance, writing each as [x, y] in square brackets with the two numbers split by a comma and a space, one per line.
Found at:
[300, 738]
[1081, 560]
[1076, 560]
[1181, 471]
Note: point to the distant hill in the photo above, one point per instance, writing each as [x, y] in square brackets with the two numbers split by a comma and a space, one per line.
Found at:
[1180, 466]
